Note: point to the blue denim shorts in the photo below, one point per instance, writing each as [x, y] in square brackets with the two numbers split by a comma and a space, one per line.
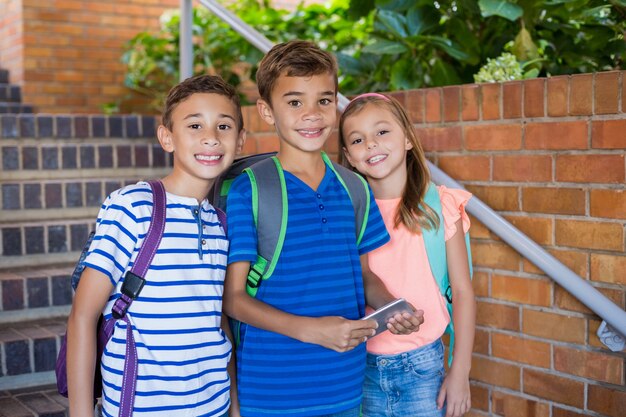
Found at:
[404, 385]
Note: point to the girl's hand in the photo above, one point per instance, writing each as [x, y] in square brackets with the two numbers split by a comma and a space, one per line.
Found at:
[337, 333]
[406, 323]
[455, 393]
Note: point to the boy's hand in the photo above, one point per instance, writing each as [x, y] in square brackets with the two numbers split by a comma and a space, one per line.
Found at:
[455, 393]
[406, 323]
[337, 333]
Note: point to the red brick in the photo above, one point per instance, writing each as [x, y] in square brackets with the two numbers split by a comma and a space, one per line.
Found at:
[558, 95]
[561, 412]
[513, 406]
[608, 203]
[558, 135]
[440, 138]
[268, 143]
[606, 94]
[469, 102]
[554, 388]
[597, 366]
[496, 197]
[480, 397]
[512, 100]
[523, 168]
[332, 143]
[608, 268]
[466, 168]
[433, 105]
[451, 103]
[498, 316]
[495, 255]
[590, 234]
[623, 91]
[490, 101]
[415, 105]
[554, 200]
[534, 97]
[518, 349]
[605, 400]
[521, 290]
[553, 326]
[493, 137]
[580, 96]
[575, 260]
[481, 342]
[479, 231]
[608, 134]
[565, 301]
[495, 373]
[590, 168]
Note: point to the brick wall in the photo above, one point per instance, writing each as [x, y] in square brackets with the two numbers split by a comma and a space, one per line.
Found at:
[66, 54]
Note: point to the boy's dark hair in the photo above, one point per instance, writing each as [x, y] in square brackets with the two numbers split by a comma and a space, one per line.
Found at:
[295, 58]
[200, 84]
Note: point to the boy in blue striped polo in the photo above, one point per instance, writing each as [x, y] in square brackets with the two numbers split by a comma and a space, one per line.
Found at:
[182, 349]
[301, 350]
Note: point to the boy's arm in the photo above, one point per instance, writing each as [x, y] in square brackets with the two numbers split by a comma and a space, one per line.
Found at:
[91, 297]
[332, 332]
[377, 295]
[455, 389]
[232, 370]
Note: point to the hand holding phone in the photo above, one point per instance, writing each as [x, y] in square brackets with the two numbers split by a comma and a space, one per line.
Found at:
[383, 314]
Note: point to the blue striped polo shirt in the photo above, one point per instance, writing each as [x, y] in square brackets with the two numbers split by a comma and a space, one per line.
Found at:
[318, 274]
[182, 351]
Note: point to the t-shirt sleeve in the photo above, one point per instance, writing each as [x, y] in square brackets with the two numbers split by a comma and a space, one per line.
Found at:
[115, 239]
[376, 233]
[241, 229]
[453, 202]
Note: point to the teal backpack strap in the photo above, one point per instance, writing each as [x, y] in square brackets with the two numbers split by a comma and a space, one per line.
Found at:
[357, 189]
[269, 202]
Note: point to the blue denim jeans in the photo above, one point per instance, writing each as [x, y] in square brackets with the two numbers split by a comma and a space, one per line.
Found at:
[404, 385]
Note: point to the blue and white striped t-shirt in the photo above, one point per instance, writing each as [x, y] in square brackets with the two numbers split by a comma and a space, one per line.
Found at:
[182, 351]
[318, 274]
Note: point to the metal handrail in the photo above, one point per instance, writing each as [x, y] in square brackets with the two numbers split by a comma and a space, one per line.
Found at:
[577, 286]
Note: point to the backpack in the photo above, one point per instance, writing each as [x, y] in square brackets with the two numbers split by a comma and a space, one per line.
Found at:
[435, 244]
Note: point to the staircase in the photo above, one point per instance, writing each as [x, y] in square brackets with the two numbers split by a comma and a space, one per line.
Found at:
[55, 171]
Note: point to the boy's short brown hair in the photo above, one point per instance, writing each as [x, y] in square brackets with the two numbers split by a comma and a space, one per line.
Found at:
[211, 84]
[295, 58]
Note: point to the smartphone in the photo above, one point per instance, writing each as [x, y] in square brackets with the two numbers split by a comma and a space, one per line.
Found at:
[383, 314]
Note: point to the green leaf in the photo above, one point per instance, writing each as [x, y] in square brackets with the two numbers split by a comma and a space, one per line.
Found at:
[421, 19]
[394, 22]
[403, 75]
[396, 5]
[443, 74]
[500, 8]
[449, 47]
[382, 47]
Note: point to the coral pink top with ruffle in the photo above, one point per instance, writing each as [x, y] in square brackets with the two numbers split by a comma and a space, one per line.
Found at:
[403, 266]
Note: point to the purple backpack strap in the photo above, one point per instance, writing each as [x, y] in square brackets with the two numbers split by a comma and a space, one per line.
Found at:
[222, 218]
[139, 269]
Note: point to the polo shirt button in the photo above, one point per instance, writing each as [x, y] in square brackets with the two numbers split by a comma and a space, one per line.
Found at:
[319, 196]
[203, 242]
[324, 220]
[321, 207]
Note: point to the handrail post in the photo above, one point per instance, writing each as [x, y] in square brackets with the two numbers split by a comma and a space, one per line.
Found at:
[185, 42]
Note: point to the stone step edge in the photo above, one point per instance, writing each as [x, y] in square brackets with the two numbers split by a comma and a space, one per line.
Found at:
[38, 379]
[7, 318]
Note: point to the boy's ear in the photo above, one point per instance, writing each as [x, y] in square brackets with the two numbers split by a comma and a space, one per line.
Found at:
[165, 138]
[265, 111]
[241, 140]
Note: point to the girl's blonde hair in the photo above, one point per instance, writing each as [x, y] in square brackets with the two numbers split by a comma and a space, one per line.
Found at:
[413, 212]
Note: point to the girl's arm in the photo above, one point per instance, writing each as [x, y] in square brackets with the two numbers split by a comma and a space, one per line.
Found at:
[455, 390]
[232, 370]
[91, 296]
[332, 332]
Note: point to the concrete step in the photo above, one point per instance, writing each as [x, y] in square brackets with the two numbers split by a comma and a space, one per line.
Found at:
[10, 93]
[37, 401]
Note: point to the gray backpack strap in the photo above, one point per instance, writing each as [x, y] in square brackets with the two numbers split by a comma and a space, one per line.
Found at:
[269, 203]
[359, 195]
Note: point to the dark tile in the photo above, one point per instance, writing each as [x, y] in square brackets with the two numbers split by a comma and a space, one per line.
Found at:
[54, 195]
[57, 239]
[116, 127]
[111, 186]
[148, 126]
[132, 126]
[37, 292]
[74, 194]
[124, 156]
[11, 241]
[64, 127]
[61, 290]
[98, 126]
[17, 357]
[32, 196]
[93, 194]
[44, 126]
[30, 157]
[11, 197]
[78, 234]
[9, 126]
[15, 93]
[87, 156]
[158, 156]
[27, 125]
[50, 157]
[34, 240]
[68, 155]
[13, 294]
[142, 156]
[10, 160]
[41, 405]
[81, 127]
[45, 354]
[105, 156]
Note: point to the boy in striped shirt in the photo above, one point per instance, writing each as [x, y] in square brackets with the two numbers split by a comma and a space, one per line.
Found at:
[301, 350]
[182, 347]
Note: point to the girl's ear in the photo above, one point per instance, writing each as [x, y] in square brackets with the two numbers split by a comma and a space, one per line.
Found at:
[265, 111]
[165, 138]
[407, 144]
[347, 156]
